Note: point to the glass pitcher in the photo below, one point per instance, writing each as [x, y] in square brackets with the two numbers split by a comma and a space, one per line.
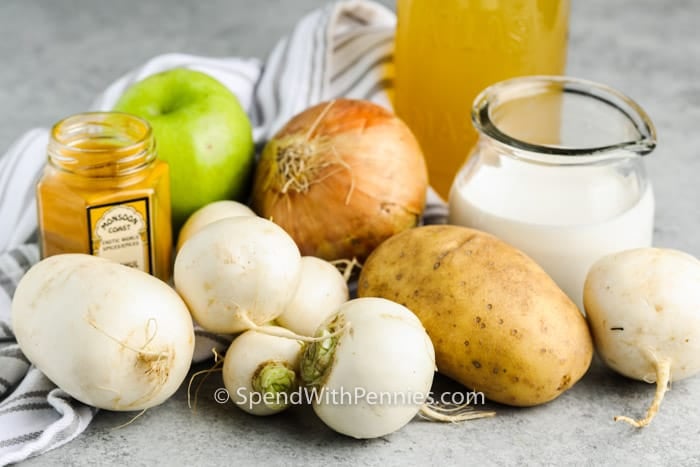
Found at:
[565, 197]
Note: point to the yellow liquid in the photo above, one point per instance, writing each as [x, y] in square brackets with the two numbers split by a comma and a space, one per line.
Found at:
[447, 51]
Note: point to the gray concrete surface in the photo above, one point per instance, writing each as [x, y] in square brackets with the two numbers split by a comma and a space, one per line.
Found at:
[56, 55]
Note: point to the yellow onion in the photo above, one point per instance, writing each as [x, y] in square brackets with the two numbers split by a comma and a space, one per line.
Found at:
[340, 178]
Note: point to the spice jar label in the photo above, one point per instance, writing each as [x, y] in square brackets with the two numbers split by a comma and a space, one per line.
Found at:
[121, 232]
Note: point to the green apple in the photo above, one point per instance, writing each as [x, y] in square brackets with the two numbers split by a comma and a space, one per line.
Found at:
[203, 133]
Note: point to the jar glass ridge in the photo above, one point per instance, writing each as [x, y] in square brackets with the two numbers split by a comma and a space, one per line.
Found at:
[101, 144]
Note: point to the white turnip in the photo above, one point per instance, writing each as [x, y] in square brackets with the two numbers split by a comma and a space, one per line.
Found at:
[375, 375]
[209, 213]
[110, 336]
[261, 370]
[322, 289]
[643, 308]
[237, 273]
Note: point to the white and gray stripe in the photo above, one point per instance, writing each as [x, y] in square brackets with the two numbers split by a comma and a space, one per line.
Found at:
[341, 50]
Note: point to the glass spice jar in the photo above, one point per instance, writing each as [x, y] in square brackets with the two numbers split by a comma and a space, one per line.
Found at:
[104, 192]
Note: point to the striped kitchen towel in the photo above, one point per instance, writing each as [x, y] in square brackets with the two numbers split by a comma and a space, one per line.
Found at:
[341, 50]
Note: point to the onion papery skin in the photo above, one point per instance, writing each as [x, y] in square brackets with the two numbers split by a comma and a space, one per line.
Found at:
[340, 178]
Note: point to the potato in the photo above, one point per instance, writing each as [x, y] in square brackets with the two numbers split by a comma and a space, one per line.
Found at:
[499, 323]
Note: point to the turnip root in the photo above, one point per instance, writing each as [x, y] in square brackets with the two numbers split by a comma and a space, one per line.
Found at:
[110, 336]
[643, 308]
[237, 273]
[374, 377]
[260, 371]
[209, 213]
[322, 289]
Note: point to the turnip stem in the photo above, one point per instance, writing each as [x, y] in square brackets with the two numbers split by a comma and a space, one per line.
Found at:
[663, 376]
[284, 333]
[274, 378]
[317, 358]
[462, 413]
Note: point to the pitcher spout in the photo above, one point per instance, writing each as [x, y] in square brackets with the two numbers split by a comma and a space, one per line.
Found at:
[563, 120]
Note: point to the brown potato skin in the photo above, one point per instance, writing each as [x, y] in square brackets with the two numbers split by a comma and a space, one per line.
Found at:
[499, 323]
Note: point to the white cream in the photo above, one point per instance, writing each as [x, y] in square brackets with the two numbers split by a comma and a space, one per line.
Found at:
[563, 217]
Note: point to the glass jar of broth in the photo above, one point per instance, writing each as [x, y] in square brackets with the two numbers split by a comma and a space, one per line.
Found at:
[447, 51]
[557, 172]
[104, 192]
